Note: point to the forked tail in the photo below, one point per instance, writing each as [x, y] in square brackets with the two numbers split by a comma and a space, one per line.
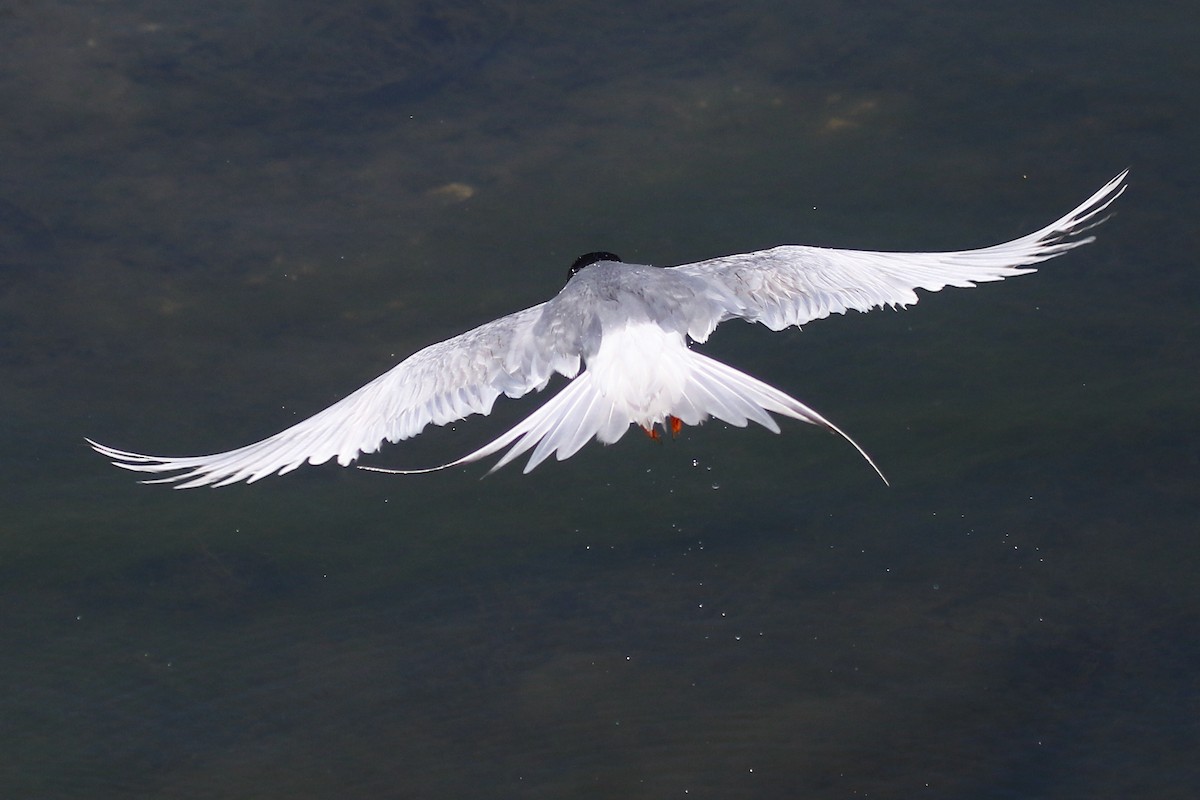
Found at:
[581, 412]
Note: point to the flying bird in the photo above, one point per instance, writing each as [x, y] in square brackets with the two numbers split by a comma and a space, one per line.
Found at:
[621, 334]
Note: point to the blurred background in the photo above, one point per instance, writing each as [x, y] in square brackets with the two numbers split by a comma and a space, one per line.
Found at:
[218, 218]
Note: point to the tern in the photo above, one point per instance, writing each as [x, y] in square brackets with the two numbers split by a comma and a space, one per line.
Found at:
[621, 334]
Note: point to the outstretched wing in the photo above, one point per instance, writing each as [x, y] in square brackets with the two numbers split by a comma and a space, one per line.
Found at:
[793, 284]
[440, 384]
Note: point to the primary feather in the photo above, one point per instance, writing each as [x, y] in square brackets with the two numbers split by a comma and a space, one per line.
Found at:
[629, 326]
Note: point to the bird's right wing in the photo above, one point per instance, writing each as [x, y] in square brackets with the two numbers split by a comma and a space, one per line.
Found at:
[440, 384]
[793, 284]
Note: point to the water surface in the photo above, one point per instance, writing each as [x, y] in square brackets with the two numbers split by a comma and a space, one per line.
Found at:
[216, 220]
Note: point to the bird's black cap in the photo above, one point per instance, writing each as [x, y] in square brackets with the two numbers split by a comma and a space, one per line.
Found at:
[587, 259]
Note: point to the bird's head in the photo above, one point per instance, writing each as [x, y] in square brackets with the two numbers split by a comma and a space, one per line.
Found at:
[587, 259]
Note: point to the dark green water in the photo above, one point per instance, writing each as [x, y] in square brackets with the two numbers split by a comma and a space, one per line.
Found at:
[217, 218]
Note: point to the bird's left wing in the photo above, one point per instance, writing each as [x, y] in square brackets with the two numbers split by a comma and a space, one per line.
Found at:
[440, 384]
[792, 284]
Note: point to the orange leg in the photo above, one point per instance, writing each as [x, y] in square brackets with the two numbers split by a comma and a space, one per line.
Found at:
[671, 423]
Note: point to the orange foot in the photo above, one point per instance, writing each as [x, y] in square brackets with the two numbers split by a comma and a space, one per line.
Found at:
[671, 423]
